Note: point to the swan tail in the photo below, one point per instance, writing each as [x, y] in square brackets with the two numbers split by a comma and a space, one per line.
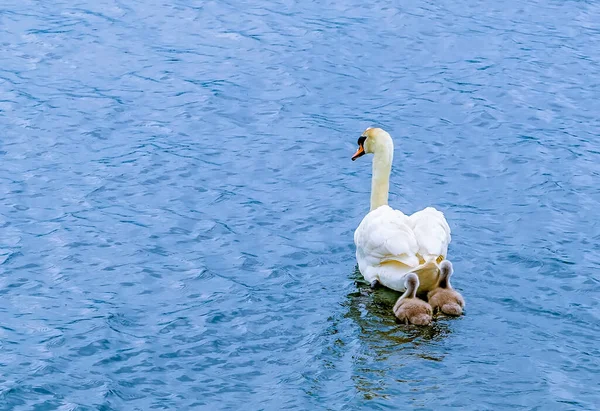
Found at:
[428, 274]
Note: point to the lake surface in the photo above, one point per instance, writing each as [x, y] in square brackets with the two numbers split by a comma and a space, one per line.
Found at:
[177, 203]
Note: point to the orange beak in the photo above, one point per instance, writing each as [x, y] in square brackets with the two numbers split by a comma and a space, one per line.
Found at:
[359, 152]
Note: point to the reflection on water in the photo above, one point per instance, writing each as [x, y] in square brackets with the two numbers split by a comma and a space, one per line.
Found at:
[383, 340]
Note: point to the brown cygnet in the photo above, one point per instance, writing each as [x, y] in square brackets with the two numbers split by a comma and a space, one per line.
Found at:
[444, 298]
[409, 309]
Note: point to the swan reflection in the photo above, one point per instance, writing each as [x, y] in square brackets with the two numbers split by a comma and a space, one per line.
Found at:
[384, 342]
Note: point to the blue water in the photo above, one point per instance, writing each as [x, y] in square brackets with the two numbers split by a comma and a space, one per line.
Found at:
[177, 203]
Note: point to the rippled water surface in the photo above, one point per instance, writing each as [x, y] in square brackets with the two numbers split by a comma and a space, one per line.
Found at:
[177, 203]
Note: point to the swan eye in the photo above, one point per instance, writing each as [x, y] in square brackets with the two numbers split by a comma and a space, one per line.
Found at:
[361, 140]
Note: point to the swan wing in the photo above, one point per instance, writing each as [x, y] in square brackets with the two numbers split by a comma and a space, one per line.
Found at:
[383, 236]
[432, 233]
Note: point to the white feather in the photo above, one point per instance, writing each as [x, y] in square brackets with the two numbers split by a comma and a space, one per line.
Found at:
[432, 233]
[390, 245]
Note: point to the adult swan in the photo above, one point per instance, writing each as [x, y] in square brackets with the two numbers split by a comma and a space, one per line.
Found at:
[389, 244]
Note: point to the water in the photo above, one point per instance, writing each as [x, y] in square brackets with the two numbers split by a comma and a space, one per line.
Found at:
[177, 203]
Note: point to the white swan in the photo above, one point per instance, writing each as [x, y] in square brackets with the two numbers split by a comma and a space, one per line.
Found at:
[389, 244]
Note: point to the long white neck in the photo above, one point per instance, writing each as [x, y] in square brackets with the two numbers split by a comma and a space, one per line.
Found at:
[382, 166]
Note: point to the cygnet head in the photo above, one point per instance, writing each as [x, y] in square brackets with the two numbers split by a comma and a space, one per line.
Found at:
[444, 298]
[373, 140]
[412, 284]
[446, 270]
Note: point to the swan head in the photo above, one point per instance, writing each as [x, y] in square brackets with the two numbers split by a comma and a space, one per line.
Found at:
[373, 140]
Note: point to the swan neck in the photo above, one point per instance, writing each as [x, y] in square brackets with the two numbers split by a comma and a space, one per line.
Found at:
[448, 285]
[443, 283]
[411, 292]
[380, 184]
[444, 280]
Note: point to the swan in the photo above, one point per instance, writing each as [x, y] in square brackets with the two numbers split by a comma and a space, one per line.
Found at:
[389, 244]
[409, 309]
[444, 298]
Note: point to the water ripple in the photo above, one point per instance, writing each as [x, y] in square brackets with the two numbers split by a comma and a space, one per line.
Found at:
[177, 203]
